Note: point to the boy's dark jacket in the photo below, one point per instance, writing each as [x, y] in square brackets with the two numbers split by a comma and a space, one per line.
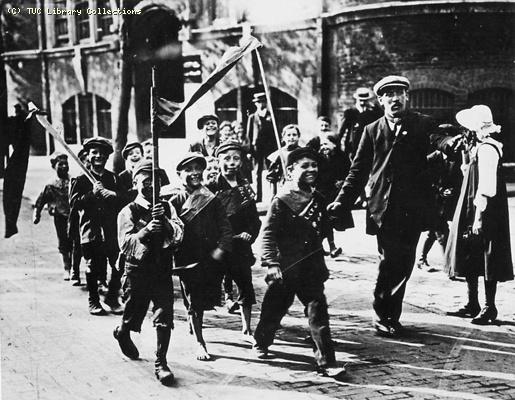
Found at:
[242, 213]
[293, 242]
[208, 230]
[97, 221]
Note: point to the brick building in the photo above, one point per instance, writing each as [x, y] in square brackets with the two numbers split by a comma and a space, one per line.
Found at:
[316, 53]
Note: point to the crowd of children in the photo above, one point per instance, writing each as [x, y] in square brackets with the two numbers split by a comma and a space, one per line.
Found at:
[201, 232]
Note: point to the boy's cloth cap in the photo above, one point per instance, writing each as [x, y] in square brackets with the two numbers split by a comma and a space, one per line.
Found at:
[143, 166]
[101, 142]
[188, 158]
[129, 146]
[226, 146]
[299, 153]
[202, 120]
[56, 156]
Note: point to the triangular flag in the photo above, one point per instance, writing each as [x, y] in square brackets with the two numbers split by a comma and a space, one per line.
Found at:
[228, 60]
[166, 110]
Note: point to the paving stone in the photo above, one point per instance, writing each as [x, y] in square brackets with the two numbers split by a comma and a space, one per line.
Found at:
[51, 348]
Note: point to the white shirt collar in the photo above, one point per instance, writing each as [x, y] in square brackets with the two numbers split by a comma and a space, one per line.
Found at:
[394, 127]
[142, 202]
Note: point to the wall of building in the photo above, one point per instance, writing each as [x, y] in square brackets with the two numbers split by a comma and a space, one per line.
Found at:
[291, 60]
[458, 53]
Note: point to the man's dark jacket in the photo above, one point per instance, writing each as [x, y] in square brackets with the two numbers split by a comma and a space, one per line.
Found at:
[400, 179]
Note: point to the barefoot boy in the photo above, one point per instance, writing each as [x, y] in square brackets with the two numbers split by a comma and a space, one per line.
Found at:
[207, 237]
[238, 200]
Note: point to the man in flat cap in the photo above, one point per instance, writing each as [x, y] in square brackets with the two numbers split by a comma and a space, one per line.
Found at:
[208, 125]
[260, 132]
[393, 153]
[364, 112]
[98, 205]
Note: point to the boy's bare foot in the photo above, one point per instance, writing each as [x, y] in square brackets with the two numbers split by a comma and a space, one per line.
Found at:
[202, 354]
[190, 325]
[248, 337]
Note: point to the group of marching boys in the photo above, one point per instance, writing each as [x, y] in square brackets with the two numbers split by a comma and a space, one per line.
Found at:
[200, 232]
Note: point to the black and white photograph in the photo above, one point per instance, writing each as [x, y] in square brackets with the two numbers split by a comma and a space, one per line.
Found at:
[236, 199]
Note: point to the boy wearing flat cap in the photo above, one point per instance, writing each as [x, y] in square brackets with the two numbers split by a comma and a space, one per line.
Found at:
[98, 207]
[208, 126]
[207, 238]
[132, 153]
[56, 195]
[148, 149]
[393, 153]
[237, 198]
[148, 235]
[293, 253]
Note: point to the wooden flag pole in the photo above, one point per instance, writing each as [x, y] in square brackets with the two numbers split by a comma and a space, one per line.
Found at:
[155, 139]
[269, 103]
[43, 121]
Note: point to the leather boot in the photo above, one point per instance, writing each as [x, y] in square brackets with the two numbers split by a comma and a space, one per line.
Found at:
[67, 266]
[488, 315]
[163, 373]
[94, 301]
[127, 346]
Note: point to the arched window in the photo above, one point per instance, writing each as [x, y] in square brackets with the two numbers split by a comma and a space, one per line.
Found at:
[237, 105]
[437, 103]
[84, 116]
[502, 103]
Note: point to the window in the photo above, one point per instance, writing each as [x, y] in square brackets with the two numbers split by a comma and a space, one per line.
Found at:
[61, 25]
[104, 21]
[82, 20]
[437, 103]
[84, 116]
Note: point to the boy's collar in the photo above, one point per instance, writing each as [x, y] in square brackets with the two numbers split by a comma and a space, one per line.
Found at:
[295, 187]
[97, 173]
[141, 201]
[191, 190]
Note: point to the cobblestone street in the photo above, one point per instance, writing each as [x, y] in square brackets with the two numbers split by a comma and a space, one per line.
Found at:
[51, 348]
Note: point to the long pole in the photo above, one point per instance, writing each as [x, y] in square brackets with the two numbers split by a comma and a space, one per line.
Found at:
[50, 129]
[269, 104]
[155, 139]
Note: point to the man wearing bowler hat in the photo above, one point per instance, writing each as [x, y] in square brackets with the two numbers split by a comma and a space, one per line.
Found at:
[356, 118]
[393, 153]
[208, 125]
[260, 132]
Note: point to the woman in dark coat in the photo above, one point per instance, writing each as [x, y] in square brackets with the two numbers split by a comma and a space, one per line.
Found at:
[479, 241]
